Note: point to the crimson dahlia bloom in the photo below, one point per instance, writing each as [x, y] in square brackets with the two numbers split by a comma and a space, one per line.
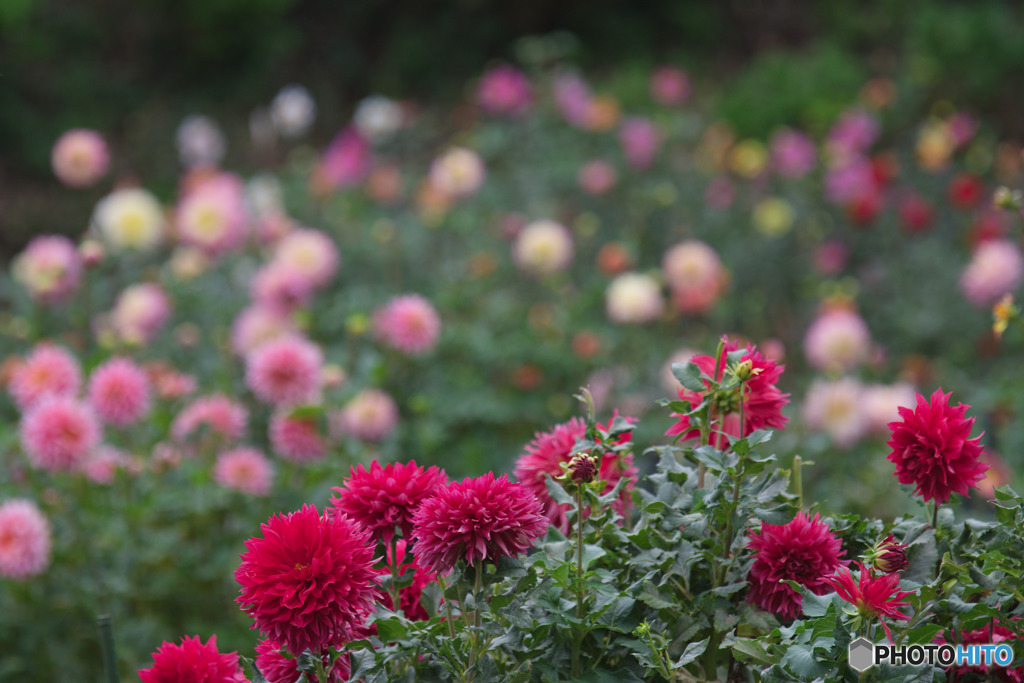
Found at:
[992, 633]
[931, 448]
[192, 662]
[873, 596]
[309, 582]
[804, 551]
[548, 450]
[382, 498]
[277, 668]
[476, 519]
[762, 400]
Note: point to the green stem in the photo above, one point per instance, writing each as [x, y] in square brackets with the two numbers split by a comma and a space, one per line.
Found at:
[321, 673]
[798, 481]
[935, 515]
[580, 593]
[448, 609]
[396, 604]
[107, 643]
[477, 584]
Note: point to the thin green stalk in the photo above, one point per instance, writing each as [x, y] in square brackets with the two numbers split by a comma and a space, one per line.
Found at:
[935, 515]
[107, 644]
[477, 585]
[798, 481]
[448, 608]
[396, 604]
[580, 593]
[321, 673]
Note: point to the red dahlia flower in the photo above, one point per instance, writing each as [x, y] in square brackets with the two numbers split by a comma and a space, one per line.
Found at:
[476, 519]
[762, 400]
[192, 662]
[993, 633]
[873, 596]
[931, 449]
[309, 582]
[277, 668]
[548, 450]
[889, 556]
[804, 551]
[410, 595]
[382, 498]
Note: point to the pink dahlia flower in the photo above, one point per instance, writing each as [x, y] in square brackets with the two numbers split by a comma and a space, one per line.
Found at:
[932, 448]
[212, 216]
[476, 520]
[310, 252]
[346, 161]
[695, 275]
[836, 408]
[140, 312]
[792, 153]
[547, 452]
[193, 662]
[102, 466]
[371, 415]
[640, 141]
[47, 371]
[458, 172]
[277, 668]
[837, 341]
[50, 268]
[873, 596]
[383, 498]
[881, 405]
[504, 90]
[670, 86]
[996, 268]
[80, 157]
[596, 177]
[218, 413]
[804, 550]
[245, 470]
[634, 298]
[762, 400]
[119, 392]
[24, 539]
[258, 324]
[994, 633]
[309, 581]
[297, 437]
[281, 288]
[284, 371]
[408, 323]
[59, 433]
[854, 132]
[543, 247]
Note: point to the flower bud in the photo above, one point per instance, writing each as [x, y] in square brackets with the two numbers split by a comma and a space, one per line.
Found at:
[582, 468]
[889, 556]
[744, 371]
[1005, 198]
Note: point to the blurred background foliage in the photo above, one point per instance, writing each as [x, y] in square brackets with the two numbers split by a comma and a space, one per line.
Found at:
[135, 68]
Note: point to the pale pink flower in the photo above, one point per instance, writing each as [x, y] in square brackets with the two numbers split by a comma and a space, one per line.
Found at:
[504, 90]
[281, 288]
[50, 268]
[457, 173]
[212, 216]
[140, 312]
[996, 268]
[837, 341]
[543, 247]
[572, 97]
[284, 371]
[245, 470]
[218, 413]
[848, 180]
[310, 252]
[297, 437]
[370, 415]
[881, 404]
[80, 157]
[853, 133]
[408, 323]
[256, 325]
[596, 177]
[130, 219]
[836, 408]
[59, 433]
[119, 392]
[670, 86]
[634, 298]
[695, 276]
[102, 466]
[47, 371]
[24, 539]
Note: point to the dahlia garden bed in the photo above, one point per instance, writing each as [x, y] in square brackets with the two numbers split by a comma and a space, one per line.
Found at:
[565, 382]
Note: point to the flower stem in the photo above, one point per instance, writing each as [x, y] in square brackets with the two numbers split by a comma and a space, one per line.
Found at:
[396, 604]
[798, 481]
[321, 673]
[580, 593]
[477, 583]
[935, 515]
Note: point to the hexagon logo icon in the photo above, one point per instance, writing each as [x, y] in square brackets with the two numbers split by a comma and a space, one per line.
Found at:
[861, 655]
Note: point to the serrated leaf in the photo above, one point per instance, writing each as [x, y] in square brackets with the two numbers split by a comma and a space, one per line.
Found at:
[689, 375]
[616, 616]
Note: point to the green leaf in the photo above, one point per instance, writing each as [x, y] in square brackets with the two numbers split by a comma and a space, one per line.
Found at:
[652, 597]
[692, 651]
[689, 375]
[616, 616]
[800, 660]
[558, 492]
[590, 553]
[362, 661]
